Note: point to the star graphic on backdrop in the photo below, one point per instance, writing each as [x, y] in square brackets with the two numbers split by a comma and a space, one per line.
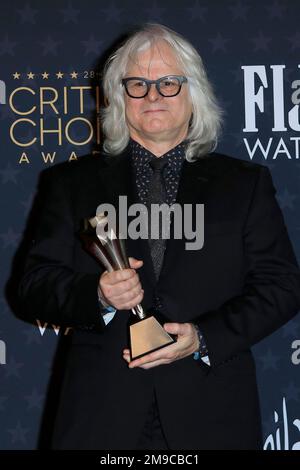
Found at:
[16, 75]
[27, 14]
[9, 175]
[219, 42]
[27, 203]
[112, 13]
[12, 368]
[68, 80]
[10, 238]
[34, 400]
[74, 74]
[31, 76]
[261, 42]
[32, 335]
[276, 9]
[197, 12]
[18, 434]
[59, 75]
[2, 401]
[290, 329]
[45, 75]
[286, 199]
[70, 14]
[269, 360]
[291, 392]
[155, 12]
[50, 46]
[295, 40]
[239, 11]
[7, 46]
[92, 45]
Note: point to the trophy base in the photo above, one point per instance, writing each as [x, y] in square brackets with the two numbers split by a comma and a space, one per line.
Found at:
[146, 336]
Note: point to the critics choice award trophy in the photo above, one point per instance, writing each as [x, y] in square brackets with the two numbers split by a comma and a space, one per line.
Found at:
[146, 334]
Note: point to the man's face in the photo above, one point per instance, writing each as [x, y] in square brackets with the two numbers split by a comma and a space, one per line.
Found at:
[156, 117]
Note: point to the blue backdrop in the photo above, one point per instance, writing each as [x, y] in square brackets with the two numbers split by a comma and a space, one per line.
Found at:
[49, 89]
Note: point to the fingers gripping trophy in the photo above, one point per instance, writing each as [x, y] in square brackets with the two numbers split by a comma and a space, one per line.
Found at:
[146, 334]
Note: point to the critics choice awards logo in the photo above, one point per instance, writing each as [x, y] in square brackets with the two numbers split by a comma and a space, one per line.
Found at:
[53, 111]
[49, 112]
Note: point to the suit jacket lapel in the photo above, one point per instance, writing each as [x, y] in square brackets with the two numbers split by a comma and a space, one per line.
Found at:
[117, 178]
[194, 185]
[194, 181]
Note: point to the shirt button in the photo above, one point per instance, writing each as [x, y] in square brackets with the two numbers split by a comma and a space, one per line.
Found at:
[158, 302]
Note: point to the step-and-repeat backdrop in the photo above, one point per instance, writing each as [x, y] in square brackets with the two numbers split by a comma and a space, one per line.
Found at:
[50, 93]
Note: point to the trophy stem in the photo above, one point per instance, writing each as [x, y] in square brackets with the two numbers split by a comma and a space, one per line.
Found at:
[139, 311]
[146, 332]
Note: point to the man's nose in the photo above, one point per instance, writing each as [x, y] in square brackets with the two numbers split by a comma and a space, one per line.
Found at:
[153, 94]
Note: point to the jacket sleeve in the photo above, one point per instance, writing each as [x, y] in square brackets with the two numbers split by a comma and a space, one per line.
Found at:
[271, 293]
[50, 289]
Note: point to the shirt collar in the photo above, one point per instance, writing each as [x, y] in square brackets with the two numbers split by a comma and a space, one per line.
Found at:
[141, 156]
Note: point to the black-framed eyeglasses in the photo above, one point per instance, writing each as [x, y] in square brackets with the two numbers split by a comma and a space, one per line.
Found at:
[138, 87]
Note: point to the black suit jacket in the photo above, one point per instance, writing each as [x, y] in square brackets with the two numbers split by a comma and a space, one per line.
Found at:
[240, 287]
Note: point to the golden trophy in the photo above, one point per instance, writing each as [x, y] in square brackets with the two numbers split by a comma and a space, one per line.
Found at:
[146, 333]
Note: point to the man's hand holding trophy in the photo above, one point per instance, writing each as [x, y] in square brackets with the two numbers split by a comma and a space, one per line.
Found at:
[146, 333]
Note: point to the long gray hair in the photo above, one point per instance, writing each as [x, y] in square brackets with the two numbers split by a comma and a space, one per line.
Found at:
[206, 114]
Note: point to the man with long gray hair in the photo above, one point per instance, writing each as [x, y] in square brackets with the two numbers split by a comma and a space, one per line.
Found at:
[161, 126]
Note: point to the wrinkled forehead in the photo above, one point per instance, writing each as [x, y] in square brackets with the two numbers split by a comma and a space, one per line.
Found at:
[152, 56]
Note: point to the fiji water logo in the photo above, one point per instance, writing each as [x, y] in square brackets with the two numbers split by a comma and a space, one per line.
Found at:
[285, 432]
[255, 99]
[271, 98]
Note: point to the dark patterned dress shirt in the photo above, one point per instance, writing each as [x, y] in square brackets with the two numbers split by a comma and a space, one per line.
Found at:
[143, 172]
